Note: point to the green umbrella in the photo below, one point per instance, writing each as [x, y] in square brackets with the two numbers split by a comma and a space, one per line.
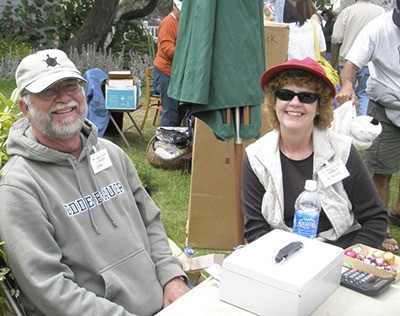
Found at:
[218, 62]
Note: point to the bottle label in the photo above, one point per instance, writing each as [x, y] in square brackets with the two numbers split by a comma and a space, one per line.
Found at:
[306, 224]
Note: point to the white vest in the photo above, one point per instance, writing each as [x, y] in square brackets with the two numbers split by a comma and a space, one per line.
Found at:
[264, 158]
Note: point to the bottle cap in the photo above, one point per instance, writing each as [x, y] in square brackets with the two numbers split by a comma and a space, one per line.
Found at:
[188, 251]
[311, 185]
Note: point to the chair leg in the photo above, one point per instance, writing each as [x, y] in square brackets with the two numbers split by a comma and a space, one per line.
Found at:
[145, 116]
[157, 110]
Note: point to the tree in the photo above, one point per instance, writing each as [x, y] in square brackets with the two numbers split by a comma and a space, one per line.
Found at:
[76, 23]
[105, 11]
[96, 26]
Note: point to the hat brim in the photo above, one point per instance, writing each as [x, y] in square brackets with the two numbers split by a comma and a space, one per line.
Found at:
[396, 18]
[178, 5]
[273, 71]
[48, 80]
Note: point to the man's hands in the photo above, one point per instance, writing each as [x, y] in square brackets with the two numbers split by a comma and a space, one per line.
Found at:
[347, 77]
[173, 290]
[345, 94]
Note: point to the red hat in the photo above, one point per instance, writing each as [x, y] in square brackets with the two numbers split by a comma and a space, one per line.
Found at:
[308, 64]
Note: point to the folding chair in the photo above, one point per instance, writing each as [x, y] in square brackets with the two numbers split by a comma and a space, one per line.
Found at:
[153, 98]
[9, 287]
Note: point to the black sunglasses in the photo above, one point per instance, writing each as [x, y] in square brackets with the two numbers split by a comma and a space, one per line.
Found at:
[304, 97]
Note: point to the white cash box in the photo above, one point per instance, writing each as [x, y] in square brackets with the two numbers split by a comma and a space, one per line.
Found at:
[251, 279]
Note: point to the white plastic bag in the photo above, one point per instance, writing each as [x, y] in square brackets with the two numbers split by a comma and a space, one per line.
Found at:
[342, 118]
[363, 129]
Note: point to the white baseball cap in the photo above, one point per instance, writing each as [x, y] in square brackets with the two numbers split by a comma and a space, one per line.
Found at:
[39, 71]
[178, 4]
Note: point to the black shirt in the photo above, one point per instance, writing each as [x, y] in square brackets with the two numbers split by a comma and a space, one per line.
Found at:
[294, 173]
[366, 204]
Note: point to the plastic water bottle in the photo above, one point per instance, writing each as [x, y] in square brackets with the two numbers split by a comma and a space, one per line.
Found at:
[186, 258]
[306, 211]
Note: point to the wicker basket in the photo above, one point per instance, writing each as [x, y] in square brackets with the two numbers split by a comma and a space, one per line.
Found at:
[171, 164]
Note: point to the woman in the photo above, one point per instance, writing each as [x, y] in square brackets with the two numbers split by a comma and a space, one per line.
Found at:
[330, 20]
[300, 147]
[307, 10]
[301, 35]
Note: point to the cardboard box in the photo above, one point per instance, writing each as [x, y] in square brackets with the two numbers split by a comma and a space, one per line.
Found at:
[211, 216]
[122, 93]
[360, 265]
[252, 280]
[276, 42]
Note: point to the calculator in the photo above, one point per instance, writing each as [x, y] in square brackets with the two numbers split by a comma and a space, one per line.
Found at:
[364, 282]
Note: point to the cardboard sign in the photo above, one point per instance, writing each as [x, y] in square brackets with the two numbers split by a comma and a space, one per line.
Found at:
[276, 37]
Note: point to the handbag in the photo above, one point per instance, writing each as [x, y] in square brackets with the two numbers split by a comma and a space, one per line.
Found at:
[330, 72]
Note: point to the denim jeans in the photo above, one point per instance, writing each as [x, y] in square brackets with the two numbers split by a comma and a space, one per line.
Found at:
[362, 76]
[172, 112]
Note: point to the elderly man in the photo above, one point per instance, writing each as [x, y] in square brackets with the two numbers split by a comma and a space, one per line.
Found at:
[379, 44]
[82, 235]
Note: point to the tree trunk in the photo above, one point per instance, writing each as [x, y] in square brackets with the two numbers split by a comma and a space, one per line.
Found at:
[136, 14]
[98, 24]
[95, 28]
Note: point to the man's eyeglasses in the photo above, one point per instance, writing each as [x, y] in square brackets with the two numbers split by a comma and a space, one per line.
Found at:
[71, 88]
[304, 97]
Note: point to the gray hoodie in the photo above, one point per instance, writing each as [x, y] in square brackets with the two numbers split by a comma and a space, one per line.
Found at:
[81, 243]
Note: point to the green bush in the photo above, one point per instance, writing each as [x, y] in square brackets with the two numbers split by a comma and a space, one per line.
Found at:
[10, 56]
[37, 22]
[19, 50]
[130, 36]
[9, 113]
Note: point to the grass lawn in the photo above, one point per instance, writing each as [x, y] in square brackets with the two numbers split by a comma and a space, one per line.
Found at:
[170, 189]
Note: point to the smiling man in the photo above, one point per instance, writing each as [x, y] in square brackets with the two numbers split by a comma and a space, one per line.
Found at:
[82, 235]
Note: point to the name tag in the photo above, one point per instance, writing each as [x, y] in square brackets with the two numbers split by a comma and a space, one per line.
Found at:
[100, 161]
[333, 172]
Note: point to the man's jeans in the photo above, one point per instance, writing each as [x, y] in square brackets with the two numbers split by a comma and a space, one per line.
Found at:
[172, 113]
[361, 77]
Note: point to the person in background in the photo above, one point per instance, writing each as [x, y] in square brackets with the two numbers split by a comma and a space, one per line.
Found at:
[379, 45]
[300, 147]
[307, 10]
[82, 235]
[329, 19]
[301, 35]
[348, 25]
[278, 6]
[172, 112]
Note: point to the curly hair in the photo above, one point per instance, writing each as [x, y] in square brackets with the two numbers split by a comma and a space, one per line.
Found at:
[300, 78]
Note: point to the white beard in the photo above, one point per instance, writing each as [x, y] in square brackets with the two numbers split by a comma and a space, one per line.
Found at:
[65, 130]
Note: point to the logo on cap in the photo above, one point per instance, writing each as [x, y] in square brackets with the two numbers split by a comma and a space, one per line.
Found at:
[51, 61]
